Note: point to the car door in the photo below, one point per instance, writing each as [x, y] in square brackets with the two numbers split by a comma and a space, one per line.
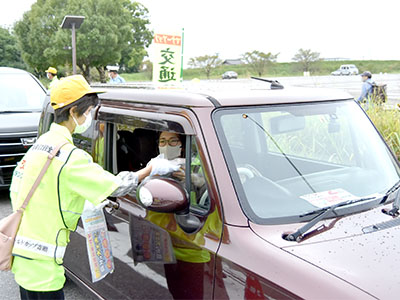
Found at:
[125, 140]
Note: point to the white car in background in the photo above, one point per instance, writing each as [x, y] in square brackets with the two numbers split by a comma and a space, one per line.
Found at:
[346, 70]
[230, 75]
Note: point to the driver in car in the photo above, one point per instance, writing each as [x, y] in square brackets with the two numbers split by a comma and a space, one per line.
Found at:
[185, 278]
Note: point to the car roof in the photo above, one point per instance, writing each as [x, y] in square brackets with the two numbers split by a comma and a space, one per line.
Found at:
[7, 70]
[222, 98]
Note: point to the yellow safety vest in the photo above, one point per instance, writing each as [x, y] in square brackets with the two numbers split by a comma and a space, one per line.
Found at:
[53, 82]
[187, 247]
[57, 204]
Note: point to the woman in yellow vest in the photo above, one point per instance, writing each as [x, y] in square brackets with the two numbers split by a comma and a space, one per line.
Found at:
[58, 202]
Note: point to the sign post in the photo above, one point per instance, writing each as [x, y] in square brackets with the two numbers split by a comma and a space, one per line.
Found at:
[167, 65]
[73, 22]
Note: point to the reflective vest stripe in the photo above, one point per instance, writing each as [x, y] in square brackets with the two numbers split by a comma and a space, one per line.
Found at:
[39, 247]
[58, 187]
[71, 212]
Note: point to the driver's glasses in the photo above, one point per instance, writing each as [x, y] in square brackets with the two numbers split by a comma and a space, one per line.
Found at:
[172, 142]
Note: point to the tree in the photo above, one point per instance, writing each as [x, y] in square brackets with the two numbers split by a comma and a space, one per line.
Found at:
[306, 58]
[206, 62]
[10, 56]
[259, 61]
[106, 34]
[141, 38]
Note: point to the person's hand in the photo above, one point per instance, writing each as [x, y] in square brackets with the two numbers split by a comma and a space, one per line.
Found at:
[180, 175]
[162, 166]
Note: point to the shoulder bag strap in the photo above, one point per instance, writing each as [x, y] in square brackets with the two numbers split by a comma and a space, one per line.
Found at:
[42, 172]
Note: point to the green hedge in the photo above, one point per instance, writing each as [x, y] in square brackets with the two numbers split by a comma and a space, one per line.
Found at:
[387, 121]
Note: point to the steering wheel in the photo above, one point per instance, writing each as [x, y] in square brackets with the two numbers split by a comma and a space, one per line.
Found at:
[248, 172]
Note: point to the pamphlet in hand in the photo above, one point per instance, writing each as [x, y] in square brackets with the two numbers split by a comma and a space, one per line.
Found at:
[97, 241]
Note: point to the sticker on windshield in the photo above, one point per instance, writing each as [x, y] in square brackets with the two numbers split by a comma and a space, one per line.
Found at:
[328, 198]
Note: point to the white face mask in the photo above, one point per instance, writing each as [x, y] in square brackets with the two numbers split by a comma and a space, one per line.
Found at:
[170, 152]
[83, 127]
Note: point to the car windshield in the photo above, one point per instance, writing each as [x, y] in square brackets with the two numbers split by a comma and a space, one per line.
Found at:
[20, 92]
[288, 160]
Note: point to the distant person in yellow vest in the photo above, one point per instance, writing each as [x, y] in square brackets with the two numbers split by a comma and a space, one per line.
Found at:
[52, 76]
[71, 179]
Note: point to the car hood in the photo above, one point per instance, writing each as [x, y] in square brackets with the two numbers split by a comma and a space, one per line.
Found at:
[369, 261]
[19, 122]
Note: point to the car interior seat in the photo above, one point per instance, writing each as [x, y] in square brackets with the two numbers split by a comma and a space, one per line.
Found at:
[136, 149]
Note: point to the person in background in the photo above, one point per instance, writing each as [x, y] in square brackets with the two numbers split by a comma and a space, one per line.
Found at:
[115, 78]
[366, 89]
[52, 76]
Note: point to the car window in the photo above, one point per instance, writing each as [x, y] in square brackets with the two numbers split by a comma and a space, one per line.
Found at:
[20, 92]
[293, 157]
[99, 143]
[300, 143]
[136, 146]
[199, 199]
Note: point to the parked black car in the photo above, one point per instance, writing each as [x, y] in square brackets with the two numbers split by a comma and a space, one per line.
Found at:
[22, 97]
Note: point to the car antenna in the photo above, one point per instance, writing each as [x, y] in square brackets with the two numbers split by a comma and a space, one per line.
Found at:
[275, 84]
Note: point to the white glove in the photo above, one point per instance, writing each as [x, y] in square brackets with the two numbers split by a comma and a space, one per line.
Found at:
[128, 183]
[162, 166]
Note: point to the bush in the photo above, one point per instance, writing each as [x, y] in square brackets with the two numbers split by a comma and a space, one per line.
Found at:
[387, 121]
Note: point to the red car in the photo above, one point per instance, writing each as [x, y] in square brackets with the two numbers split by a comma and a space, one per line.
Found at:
[298, 197]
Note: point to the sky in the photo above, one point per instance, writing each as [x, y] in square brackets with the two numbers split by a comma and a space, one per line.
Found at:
[350, 29]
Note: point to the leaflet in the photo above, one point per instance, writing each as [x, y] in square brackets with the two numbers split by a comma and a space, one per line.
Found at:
[97, 241]
[150, 243]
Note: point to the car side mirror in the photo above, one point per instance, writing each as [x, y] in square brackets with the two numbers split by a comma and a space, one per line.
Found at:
[162, 194]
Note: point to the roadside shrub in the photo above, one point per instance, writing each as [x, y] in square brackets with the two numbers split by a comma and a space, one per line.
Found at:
[387, 121]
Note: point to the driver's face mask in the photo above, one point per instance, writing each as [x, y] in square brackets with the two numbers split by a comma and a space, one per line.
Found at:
[170, 152]
[80, 128]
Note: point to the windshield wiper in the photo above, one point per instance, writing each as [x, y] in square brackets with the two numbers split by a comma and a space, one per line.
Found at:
[395, 187]
[14, 111]
[300, 233]
[394, 212]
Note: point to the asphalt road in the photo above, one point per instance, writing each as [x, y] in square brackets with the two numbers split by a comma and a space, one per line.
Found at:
[9, 289]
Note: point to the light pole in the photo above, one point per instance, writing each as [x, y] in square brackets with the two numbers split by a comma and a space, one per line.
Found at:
[73, 22]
